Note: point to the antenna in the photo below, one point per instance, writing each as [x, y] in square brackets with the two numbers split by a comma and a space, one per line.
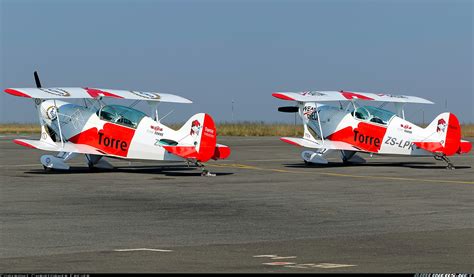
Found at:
[37, 80]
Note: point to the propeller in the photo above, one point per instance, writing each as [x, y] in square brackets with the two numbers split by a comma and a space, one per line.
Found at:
[37, 80]
[288, 109]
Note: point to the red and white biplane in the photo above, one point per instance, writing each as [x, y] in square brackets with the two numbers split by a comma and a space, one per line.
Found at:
[355, 127]
[98, 130]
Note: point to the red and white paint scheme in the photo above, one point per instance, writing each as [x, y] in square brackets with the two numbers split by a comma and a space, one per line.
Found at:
[352, 127]
[98, 130]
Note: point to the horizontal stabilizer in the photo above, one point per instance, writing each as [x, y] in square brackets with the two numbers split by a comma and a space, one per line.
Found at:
[466, 146]
[436, 147]
[189, 152]
[221, 152]
[319, 144]
[57, 146]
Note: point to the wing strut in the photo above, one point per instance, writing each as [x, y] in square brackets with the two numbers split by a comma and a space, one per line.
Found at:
[319, 123]
[59, 124]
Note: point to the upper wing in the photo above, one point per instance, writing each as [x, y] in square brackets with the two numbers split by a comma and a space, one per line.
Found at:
[70, 93]
[321, 96]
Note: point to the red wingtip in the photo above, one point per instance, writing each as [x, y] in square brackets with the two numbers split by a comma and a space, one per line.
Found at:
[282, 96]
[15, 92]
[19, 142]
[289, 141]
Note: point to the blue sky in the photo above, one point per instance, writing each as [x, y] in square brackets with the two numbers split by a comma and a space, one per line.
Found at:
[216, 52]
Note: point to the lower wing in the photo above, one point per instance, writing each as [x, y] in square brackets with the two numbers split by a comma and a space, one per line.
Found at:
[319, 144]
[59, 147]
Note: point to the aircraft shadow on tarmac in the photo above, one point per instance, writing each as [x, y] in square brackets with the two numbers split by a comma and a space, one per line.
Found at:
[175, 170]
[419, 165]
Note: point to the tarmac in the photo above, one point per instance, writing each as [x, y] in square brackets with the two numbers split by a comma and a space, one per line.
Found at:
[265, 211]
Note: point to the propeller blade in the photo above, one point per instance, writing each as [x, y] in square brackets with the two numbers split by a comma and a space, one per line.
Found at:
[37, 80]
[288, 109]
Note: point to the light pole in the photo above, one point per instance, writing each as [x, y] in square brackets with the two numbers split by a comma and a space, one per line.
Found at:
[232, 110]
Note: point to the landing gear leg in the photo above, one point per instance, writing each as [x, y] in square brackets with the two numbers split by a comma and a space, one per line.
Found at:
[449, 165]
[204, 171]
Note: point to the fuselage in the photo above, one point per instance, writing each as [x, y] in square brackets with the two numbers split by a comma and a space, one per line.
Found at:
[114, 130]
[369, 129]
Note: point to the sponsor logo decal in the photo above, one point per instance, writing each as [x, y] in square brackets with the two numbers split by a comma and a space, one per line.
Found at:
[441, 125]
[310, 112]
[112, 142]
[147, 95]
[56, 91]
[195, 128]
[209, 132]
[366, 139]
[312, 93]
[157, 130]
[392, 96]
[52, 112]
[406, 128]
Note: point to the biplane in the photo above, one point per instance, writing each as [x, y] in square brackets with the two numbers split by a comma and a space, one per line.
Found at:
[98, 130]
[353, 127]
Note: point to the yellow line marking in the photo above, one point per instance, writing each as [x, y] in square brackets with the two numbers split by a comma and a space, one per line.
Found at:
[143, 249]
[243, 166]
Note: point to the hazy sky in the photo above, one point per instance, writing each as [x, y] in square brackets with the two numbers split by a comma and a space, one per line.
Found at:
[213, 52]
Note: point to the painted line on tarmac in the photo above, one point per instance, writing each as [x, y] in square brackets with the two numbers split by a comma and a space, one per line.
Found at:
[143, 249]
[299, 160]
[250, 167]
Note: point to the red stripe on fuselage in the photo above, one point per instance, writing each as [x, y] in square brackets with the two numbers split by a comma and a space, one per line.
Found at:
[367, 137]
[435, 147]
[187, 152]
[113, 139]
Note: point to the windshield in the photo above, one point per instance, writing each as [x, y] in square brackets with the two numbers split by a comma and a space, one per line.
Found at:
[373, 114]
[121, 115]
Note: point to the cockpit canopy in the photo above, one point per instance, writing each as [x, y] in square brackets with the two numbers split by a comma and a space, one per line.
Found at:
[121, 115]
[373, 114]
